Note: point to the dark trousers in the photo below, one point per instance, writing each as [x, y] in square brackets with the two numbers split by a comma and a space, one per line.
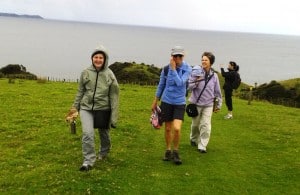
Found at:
[228, 99]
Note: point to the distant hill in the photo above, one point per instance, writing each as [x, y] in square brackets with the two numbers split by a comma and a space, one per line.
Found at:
[291, 83]
[131, 72]
[283, 92]
[16, 71]
[20, 16]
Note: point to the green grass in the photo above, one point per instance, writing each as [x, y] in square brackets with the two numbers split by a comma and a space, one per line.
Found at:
[255, 153]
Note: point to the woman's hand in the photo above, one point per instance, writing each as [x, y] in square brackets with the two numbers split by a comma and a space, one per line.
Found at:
[72, 115]
[173, 63]
[216, 110]
[154, 103]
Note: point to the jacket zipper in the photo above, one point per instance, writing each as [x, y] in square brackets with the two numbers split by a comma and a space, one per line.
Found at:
[95, 91]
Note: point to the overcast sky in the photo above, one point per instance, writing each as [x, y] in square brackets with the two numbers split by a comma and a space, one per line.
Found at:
[261, 16]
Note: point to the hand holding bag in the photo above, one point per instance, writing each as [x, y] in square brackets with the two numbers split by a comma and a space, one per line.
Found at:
[155, 118]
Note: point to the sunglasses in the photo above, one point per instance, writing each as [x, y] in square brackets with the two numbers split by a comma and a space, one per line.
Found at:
[178, 55]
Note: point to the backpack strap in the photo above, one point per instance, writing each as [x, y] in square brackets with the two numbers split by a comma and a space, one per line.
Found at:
[166, 71]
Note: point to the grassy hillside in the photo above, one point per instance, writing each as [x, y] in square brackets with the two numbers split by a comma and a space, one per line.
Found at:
[131, 72]
[291, 83]
[255, 153]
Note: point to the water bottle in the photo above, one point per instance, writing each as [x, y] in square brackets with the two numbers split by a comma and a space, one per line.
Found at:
[73, 127]
[215, 106]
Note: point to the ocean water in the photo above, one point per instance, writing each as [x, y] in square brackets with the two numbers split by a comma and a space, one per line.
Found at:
[61, 49]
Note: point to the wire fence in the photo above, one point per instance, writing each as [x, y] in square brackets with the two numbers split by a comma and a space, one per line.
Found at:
[248, 95]
[243, 94]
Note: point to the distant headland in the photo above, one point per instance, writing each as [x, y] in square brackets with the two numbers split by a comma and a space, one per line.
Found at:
[20, 16]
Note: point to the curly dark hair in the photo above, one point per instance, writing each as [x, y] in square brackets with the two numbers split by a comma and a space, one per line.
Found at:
[210, 56]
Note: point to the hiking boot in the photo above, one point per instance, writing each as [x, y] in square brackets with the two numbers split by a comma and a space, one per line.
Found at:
[202, 151]
[193, 143]
[168, 156]
[102, 157]
[228, 116]
[85, 167]
[176, 158]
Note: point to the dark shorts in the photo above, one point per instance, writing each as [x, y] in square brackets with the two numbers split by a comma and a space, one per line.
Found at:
[170, 112]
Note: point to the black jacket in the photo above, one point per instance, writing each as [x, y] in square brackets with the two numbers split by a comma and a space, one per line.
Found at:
[229, 78]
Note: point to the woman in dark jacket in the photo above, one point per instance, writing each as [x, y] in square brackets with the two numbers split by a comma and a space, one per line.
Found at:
[229, 78]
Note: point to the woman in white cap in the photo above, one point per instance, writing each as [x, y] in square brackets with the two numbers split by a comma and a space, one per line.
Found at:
[172, 90]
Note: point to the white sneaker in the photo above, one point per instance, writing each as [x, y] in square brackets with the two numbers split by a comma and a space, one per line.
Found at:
[228, 116]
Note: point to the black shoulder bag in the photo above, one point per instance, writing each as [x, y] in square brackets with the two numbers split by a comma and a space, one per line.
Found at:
[101, 119]
[191, 109]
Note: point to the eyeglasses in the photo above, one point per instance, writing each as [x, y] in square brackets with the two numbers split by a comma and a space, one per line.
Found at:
[178, 55]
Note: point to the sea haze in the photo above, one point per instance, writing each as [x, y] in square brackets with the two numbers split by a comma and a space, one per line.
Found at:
[60, 49]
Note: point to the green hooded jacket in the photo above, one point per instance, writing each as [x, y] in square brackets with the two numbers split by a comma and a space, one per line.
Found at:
[98, 90]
